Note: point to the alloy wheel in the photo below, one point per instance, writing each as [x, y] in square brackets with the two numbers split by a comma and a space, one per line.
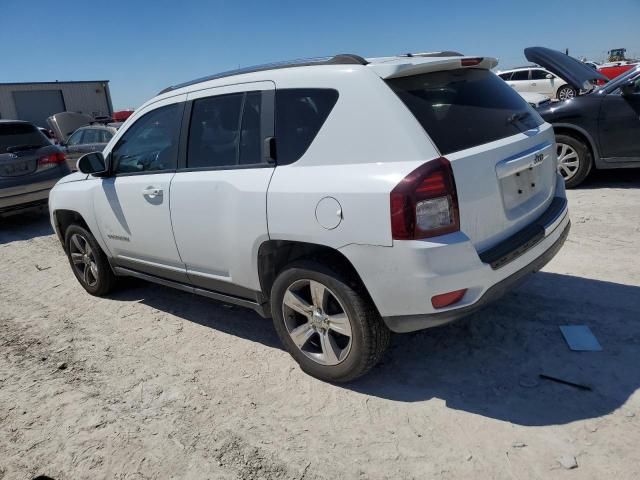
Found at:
[566, 94]
[568, 161]
[84, 260]
[317, 322]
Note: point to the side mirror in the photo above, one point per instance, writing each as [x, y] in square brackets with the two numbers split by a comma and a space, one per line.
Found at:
[93, 164]
[629, 88]
[548, 76]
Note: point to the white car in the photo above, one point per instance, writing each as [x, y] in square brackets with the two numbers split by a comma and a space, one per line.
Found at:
[538, 80]
[344, 197]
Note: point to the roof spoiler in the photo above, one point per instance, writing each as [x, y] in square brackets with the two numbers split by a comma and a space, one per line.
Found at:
[416, 65]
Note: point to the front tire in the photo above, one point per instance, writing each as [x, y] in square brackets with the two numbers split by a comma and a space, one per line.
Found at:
[88, 261]
[328, 326]
[574, 160]
[566, 92]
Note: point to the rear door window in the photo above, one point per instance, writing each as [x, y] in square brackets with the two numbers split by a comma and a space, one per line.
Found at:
[300, 113]
[463, 108]
[520, 75]
[225, 131]
[19, 136]
[538, 75]
[250, 137]
[506, 76]
[91, 135]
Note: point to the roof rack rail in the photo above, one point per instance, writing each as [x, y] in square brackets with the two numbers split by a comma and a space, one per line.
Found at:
[340, 59]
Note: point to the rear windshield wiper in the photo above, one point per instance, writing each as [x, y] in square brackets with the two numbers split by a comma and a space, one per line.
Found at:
[19, 148]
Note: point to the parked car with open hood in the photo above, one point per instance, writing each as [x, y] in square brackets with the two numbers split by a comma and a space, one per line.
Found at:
[343, 197]
[30, 165]
[600, 129]
[64, 124]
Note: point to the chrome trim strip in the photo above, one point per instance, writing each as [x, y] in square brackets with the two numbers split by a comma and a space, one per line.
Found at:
[151, 264]
[520, 161]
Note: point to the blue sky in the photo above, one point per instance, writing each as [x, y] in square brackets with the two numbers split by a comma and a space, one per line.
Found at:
[142, 46]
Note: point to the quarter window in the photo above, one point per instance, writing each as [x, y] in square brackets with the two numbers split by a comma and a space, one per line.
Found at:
[151, 143]
[300, 113]
[506, 76]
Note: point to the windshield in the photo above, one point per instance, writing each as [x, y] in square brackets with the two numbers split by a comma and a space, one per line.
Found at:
[20, 136]
[466, 107]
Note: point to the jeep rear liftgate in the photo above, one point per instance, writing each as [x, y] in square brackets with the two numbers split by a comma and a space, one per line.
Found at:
[501, 154]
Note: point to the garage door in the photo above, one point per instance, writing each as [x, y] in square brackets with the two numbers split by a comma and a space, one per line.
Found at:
[36, 105]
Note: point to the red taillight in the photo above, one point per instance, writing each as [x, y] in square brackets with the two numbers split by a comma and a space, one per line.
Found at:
[470, 62]
[51, 160]
[425, 203]
[446, 299]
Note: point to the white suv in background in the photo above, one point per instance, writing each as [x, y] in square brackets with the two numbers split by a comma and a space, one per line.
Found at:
[343, 197]
[538, 80]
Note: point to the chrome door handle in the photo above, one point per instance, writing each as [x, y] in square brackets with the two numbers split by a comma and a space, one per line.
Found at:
[152, 192]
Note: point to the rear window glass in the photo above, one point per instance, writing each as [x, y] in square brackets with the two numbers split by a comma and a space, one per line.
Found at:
[300, 113]
[464, 108]
[18, 136]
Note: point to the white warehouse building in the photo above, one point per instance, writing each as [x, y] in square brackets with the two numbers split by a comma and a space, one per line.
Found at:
[35, 101]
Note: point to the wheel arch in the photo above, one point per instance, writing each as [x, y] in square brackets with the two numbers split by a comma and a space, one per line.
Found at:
[64, 218]
[580, 134]
[275, 255]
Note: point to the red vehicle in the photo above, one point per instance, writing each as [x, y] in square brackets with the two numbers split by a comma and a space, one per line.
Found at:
[121, 115]
[612, 70]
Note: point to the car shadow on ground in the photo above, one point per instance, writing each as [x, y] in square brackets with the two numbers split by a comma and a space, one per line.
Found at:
[238, 321]
[619, 178]
[488, 363]
[25, 226]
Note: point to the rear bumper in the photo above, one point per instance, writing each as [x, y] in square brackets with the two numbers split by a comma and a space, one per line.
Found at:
[25, 200]
[410, 323]
[402, 279]
[30, 191]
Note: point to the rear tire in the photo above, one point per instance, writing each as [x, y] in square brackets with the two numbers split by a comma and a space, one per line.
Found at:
[574, 160]
[338, 333]
[88, 262]
[566, 92]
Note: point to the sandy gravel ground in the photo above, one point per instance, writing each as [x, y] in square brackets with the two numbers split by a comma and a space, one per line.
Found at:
[156, 383]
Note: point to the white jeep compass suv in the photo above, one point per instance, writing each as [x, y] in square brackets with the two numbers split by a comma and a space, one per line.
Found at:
[344, 197]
